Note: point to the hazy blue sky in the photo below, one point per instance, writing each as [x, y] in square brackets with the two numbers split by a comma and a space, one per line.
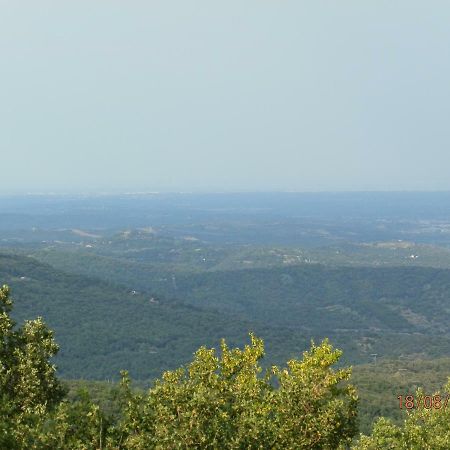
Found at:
[105, 95]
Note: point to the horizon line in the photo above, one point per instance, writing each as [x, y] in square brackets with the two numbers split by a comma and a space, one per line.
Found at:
[104, 193]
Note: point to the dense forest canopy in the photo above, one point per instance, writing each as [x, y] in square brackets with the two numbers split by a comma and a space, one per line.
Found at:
[388, 311]
[219, 400]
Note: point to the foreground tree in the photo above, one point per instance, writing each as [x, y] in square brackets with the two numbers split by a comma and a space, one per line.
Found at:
[29, 388]
[425, 428]
[224, 402]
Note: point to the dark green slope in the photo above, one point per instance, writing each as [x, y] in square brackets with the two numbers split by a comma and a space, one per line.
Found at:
[389, 311]
[320, 298]
[103, 328]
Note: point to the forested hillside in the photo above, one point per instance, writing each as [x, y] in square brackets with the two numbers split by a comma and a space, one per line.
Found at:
[104, 328]
[107, 324]
[222, 399]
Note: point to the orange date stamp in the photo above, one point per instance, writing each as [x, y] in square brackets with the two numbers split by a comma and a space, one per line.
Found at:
[437, 401]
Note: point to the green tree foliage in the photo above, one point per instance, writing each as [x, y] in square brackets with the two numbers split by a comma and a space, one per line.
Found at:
[29, 388]
[223, 401]
[423, 428]
[78, 425]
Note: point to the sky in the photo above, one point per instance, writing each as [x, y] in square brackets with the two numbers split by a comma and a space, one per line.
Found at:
[247, 95]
